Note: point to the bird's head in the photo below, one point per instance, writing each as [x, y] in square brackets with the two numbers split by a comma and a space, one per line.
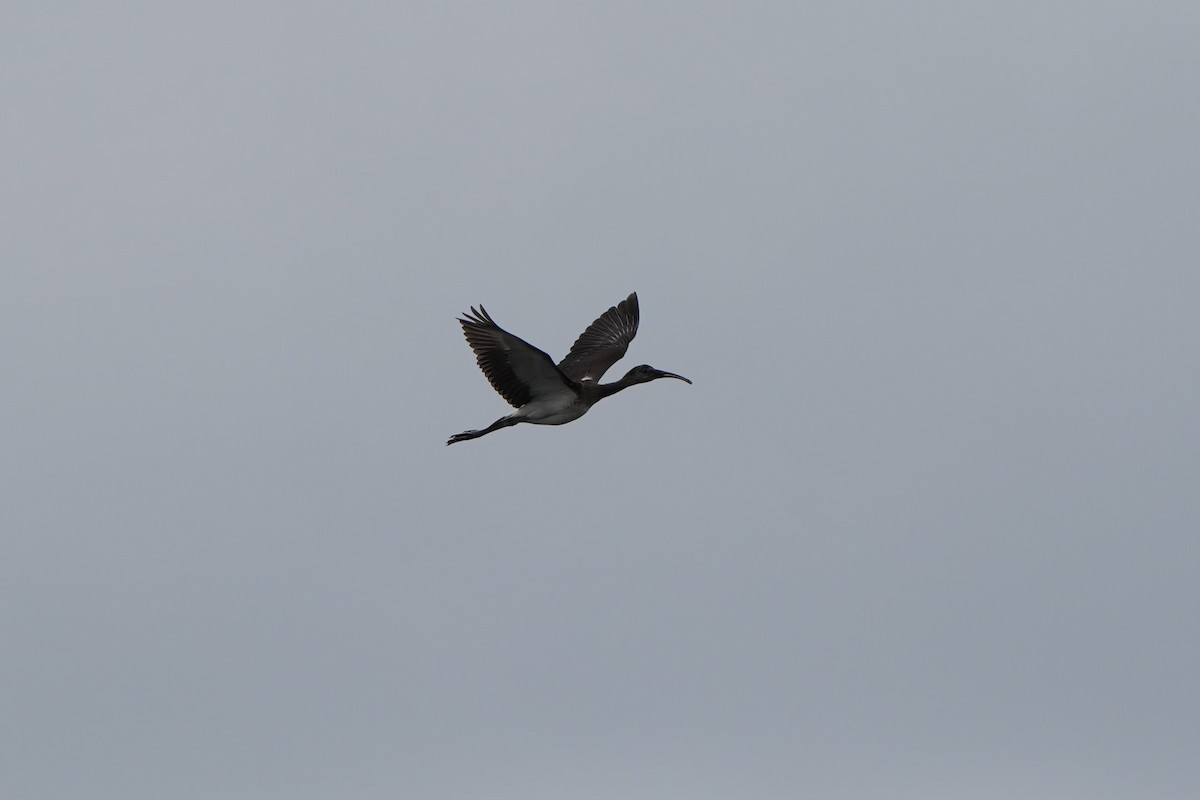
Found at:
[644, 373]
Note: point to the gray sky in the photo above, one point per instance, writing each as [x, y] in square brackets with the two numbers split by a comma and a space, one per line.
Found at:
[926, 526]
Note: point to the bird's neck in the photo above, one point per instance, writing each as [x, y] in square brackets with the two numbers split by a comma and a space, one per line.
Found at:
[608, 389]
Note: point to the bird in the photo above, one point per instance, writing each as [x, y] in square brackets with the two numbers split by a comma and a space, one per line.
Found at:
[545, 393]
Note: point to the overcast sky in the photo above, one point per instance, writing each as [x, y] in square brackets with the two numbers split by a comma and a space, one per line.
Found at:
[927, 524]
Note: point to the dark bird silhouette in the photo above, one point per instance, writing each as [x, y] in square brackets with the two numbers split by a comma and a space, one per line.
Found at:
[546, 394]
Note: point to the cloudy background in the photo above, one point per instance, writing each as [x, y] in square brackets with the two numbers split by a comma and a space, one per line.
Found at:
[926, 526]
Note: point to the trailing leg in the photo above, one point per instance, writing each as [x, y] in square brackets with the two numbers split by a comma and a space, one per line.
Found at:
[503, 422]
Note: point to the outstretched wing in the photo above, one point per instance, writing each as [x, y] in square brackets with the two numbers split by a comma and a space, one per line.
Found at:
[515, 368]
[603, 343]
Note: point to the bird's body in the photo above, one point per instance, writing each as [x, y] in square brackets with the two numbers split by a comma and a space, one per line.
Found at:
[545, 393]
[553, 409]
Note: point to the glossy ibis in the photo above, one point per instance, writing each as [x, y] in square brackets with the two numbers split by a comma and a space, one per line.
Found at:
[547, 394]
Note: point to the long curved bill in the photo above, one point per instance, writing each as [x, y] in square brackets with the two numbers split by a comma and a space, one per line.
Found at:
[662, 374]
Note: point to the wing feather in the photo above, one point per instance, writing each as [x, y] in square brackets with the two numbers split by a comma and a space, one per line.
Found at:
[517, 370]
[603, 343]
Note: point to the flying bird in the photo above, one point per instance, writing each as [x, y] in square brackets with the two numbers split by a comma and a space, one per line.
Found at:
[547, 394]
